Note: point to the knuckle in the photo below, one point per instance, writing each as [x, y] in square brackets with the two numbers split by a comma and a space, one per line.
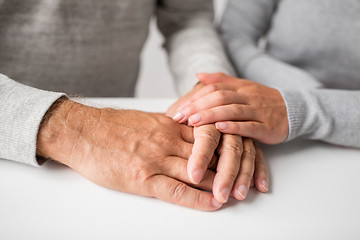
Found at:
[158, 130]
[178, 191]
[198, 200]
[238, 109]
[140, 173]
[233, 148]
[211, 135]
[209, 115]
[250, 151]
[235, 127]
[226, 174]
[220, 96]
[163, 120]
[242, 95]
[251, 128]
[163, 139]
[191, 108]
[212, 88]
[247, 175]
[219, 74]
[233, 144]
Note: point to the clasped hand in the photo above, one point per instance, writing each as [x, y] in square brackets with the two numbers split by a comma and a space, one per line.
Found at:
[151, 155]
[240, 164]
[237, 106]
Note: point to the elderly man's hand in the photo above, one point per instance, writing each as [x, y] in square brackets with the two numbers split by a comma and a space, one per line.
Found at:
[130, 151]
[235, 168]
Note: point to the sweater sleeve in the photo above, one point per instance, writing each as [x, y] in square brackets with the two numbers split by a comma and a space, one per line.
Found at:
[244, 23]
[22, 109]
[324, 114]
[192, 41]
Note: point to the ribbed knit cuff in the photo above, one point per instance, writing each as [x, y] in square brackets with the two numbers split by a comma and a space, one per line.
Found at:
[296, 112]
[22, 109]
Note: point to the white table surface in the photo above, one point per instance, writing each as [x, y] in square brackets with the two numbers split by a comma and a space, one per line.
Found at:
[314, 195]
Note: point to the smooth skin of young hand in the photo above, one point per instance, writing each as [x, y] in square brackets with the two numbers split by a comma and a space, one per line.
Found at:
[241, 163]
[130, 151]
[237, 106]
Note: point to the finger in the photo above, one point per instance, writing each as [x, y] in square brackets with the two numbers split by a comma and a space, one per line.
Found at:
[251, 129]
[207, 89]
[175, 167]
[208, 78]
[233, 112]
[260, 176]
[206, 141]
[171, 190]
[213, 78]
[182, 101]
[187, 133]
[212, 100]
[172, 108]
[180, 148]
[180, 113]
[247, 167]
[230, 151]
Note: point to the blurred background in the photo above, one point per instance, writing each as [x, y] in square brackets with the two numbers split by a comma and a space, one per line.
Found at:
[155, 79]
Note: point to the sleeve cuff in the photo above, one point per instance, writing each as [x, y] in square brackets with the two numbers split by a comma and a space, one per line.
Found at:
[296, 112]
[22, 109]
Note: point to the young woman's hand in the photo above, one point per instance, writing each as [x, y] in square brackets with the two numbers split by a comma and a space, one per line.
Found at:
[237, 106]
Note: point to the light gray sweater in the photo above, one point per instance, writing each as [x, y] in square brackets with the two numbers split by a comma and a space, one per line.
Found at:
[90, 48]
[312, 57]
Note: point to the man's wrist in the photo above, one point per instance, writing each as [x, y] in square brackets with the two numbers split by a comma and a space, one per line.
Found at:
[51, 126]
[61, 128]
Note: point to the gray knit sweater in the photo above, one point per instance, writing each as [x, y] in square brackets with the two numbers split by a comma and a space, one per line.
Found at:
[91, 48]
[312, 56]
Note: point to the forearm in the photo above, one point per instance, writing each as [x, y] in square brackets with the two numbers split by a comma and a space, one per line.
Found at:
[328, 115]
[194, 45]
[244, 23]
[271, 72]
[197, 50]
[22, 109]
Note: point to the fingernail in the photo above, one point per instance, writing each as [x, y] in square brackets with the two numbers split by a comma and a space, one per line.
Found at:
[243, 191]
[264, 184]
[225, 193]
[216, 203]
[197, 176]
[194, 119]
[178, 116]
[221, 125]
